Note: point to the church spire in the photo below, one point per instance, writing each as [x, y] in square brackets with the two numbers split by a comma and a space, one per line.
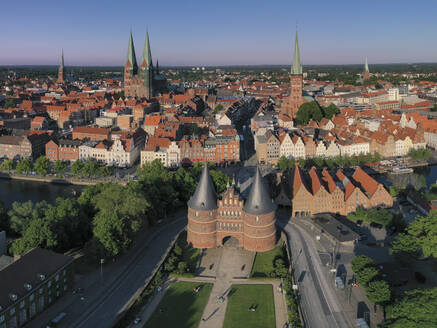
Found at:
[62, 59]
[147, 54]
[131, 57]
[366, 66]
[297, 67]
[61, 69]
[204, 197]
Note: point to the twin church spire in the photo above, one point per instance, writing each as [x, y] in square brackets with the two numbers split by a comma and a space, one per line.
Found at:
[146, 59]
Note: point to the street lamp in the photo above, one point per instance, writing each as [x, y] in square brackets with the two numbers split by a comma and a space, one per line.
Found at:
[101, 268]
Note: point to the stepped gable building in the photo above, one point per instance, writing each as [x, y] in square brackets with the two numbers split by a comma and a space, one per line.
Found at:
[320, 192]
[213, 221]
[291, 106]
[144, 81]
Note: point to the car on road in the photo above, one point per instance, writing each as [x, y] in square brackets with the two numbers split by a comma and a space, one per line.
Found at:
[137, 320]
[362, 237]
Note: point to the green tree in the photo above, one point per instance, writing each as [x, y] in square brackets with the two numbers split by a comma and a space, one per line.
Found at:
[283, 163]
[217, 109]
[331, 111]
[378, 292]
[76, 167]
[4, 218]
[416, 309]
[366, 275]
[60, 166]
[90, 168]
[25, 166]
[7, 165]
[104, 171]
[220, 180]
[405, 244]
[42, 165]
[182, 267]
[10, 103]
[307, 111]
[21, 214]
[121, 214]
[360, 262]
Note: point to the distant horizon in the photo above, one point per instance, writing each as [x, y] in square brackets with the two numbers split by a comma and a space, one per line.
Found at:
[229, 33]
[224, 66]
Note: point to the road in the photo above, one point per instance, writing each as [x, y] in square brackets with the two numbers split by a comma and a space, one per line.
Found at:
[107, 298]
[319, 303]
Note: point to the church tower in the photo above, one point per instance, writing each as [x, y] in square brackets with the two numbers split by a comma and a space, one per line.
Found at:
[131, 67]
[146, 69]
[366, 73]
[61, 69]
[296, 82]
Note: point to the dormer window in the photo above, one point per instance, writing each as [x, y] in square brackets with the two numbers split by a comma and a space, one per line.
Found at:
[13, 297]
[27, 286]
[41, 276]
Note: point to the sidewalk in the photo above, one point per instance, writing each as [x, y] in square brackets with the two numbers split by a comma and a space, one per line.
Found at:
[228, 267]
[353, 302]
[96, 286]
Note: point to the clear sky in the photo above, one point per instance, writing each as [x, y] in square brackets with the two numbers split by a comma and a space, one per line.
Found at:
[218, 32]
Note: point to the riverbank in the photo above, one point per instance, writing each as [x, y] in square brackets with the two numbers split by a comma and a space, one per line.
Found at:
[59, 180]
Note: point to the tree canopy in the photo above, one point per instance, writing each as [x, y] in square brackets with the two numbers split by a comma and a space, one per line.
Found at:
[417, 309]
[307, 111]
[420, 237]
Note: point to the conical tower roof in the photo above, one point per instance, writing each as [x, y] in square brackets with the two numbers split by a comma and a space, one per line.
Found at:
[131, 57]
[297, 67]
[147, 54]
[204, 197]
[259, 201]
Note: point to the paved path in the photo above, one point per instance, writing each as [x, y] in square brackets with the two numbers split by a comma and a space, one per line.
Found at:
[320, 305]
[105, 299]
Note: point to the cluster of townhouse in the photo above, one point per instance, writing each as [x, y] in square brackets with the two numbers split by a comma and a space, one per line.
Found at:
[321, 191]
[349, 133]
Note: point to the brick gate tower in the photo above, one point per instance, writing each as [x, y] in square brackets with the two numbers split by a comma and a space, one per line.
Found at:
[212, 220]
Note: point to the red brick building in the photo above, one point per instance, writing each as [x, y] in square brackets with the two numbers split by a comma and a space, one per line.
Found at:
[248, 223]
[84, 132]
[320, 192]
[291, 106]
[63, 149]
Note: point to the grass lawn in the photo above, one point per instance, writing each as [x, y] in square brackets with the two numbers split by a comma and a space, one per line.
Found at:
[244, 296]
[181, 306]
[263, 263]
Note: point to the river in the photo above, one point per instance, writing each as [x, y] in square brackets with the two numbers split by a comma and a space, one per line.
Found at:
[423, 176]
[22, 191]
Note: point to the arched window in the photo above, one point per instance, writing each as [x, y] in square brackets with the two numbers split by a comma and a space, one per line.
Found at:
[256, 218]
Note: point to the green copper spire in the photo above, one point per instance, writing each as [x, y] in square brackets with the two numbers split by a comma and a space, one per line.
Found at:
[62, 59]
[147, 54]
[366, 66]
[297, 67]
[131, 57]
